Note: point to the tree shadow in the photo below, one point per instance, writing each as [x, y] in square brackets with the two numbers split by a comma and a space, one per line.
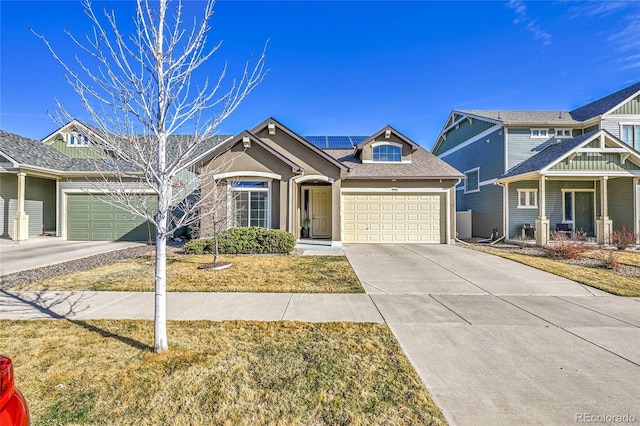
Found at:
[48, 305]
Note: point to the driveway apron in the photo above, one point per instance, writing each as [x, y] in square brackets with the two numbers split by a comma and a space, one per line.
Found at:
[500, 343]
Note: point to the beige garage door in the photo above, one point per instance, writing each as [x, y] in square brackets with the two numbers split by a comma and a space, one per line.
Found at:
[393, 218]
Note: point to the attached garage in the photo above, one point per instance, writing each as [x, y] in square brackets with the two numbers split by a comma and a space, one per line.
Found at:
[91, 218]
[394, 218]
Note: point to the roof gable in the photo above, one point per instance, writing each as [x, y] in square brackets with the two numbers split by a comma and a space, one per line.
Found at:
[387, 132]
[607, 104]
[272, 123]
[555, 153]
[248, 138]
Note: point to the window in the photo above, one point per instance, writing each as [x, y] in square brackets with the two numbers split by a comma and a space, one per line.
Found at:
[567, 206]
[630, 134]
[250, 204]
[77, 139]
[472, 181]
[527, 198]
[539, 133]
[387, 153]
[564, 133]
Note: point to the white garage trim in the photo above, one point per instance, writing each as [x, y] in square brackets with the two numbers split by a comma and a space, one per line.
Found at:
[394, 190]
[73, 191]
[408, 217]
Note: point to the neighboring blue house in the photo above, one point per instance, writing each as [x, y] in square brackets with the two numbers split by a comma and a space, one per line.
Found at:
[548, 170]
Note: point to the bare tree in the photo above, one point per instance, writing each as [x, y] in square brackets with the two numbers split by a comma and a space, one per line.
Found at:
[152, 111]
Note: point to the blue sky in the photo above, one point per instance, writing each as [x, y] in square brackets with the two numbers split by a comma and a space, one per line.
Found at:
[350, 68]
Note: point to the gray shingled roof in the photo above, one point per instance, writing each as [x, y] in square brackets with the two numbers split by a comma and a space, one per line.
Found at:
[423, 165]
[548, 155]
[516, 117]
[605, 104]
[30, 152]
[584, 113]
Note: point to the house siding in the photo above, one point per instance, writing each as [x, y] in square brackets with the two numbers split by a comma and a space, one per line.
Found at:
[466, 131]
[553, 190]
[74, 151]
[520, 216]
[39, 204]
[521, 146]
[486, 209]
[620, 195]
[631, 107]
[489, 156]
[590, 161]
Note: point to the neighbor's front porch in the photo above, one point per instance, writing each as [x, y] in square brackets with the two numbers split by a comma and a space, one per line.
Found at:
[584, 207]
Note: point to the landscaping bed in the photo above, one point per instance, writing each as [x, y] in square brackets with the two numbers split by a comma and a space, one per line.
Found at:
[104, 372]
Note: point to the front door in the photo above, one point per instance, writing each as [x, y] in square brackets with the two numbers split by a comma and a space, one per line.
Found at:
[584, 209]
[321, 212]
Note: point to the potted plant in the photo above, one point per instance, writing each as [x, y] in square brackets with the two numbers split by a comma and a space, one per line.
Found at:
[305, 228]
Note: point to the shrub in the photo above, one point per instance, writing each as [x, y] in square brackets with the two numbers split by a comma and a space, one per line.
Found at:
[245, 240]
[623, 238]
[565, 247]
[611, 259]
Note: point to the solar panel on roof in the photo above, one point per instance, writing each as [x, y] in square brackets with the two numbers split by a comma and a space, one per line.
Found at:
[319, 141]
[357, 139]
[338, 142]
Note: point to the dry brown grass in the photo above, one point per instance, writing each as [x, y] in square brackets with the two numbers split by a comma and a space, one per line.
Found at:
[284, 373]
[623, 257]
[599, 278]
[283, 274]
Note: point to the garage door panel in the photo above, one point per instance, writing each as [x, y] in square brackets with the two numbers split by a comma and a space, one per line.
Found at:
[90, 218]
[393, 218]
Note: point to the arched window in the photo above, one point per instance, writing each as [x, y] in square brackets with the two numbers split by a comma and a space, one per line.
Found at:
[387, 153]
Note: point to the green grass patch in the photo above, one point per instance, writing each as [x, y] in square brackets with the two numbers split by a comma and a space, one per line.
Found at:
[599, 278]
[253, 373]
[273, 273]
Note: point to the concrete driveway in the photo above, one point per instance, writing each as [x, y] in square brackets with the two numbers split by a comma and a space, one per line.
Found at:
[45, 251]
[499, 343]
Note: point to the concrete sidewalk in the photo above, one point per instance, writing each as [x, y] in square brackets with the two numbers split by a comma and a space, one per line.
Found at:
[83, 305]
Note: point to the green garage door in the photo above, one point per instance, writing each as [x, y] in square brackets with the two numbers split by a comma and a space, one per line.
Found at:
[91, 219]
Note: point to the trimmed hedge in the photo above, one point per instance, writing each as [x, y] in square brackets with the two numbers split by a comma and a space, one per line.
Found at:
[245, 240]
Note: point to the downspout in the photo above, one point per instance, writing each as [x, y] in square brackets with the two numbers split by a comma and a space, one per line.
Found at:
[505, 208]
[454, 221]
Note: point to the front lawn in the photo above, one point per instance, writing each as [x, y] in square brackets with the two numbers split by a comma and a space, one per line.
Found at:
[252, 373]
[274, 274]
[600, 278]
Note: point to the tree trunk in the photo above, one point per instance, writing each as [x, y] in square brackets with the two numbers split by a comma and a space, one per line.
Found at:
[160, 317]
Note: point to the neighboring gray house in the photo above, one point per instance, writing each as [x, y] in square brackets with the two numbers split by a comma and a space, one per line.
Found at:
[532, 172]
[49, 187]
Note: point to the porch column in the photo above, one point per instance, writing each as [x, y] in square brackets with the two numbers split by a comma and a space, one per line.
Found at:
[21, 220]
[542, 223]
[604, 225]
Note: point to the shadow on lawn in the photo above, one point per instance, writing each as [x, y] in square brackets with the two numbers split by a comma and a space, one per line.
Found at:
[55, 305]
[109, 335]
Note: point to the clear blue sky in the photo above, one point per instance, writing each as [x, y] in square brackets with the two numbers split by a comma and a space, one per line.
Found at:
[350, 68]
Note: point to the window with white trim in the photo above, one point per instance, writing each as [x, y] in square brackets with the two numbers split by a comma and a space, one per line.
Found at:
[472, 180]
[77, 139]
[567, 207]
[564, 133]
[527, 198]
[630, 134]
[539, 133]
[387, 153]
[250, 205]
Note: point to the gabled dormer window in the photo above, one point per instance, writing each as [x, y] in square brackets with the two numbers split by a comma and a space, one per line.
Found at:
[539, 133]
[77, 139]
[387, 152]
